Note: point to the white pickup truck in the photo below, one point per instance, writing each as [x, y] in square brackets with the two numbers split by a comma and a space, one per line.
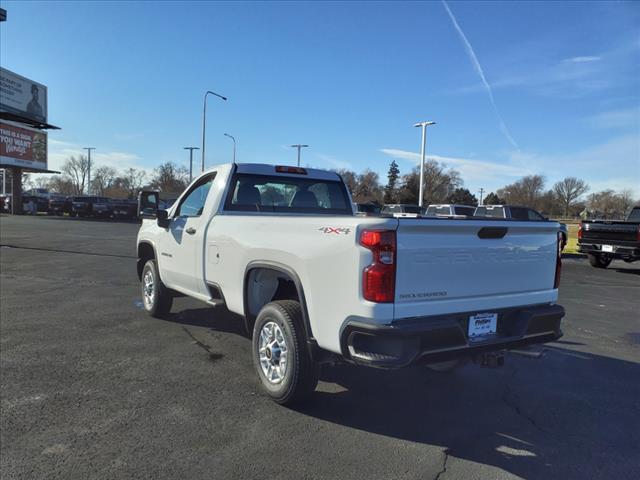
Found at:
[282, 247]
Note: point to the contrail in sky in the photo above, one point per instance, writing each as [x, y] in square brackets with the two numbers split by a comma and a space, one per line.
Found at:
[478, 67]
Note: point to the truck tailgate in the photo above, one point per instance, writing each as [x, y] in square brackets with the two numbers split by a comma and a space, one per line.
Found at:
[450, 266]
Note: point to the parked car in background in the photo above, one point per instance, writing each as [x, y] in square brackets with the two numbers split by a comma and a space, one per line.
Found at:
[605, 240]
[5, 203]
[448, 210]
[124, 209]
[509, 211]
[58, 204]
[167, 203]
[34, 203]
[519, 213]
[38, 192]
[401, 210]
[368, 208]
[81, 206]
[102, 207]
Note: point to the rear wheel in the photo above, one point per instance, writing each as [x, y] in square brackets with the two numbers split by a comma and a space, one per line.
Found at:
[156, 298]
[281, 357]
[599, 260]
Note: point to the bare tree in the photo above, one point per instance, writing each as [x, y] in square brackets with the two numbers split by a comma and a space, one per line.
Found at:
[42, 182]
[625, 201]
[527, 191]
[368, 188]
[568, 191]
[61, 184]
[134, 180]
[103, 178]
[76, 169]
[439, 183]
[170, 177]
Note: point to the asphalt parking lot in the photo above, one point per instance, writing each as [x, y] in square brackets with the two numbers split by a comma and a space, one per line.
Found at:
[91, 387]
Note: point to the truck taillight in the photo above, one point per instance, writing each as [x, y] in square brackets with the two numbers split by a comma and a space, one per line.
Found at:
[556, 280]
[379, 278]
[580, 232]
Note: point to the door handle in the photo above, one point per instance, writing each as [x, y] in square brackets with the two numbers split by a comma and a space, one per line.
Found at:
[190, 230]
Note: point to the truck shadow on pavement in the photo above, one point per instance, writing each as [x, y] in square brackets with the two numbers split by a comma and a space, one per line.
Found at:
[569, 415]
[533, 418]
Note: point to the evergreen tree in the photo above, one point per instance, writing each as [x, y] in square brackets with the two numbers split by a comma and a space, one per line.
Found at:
[390, 193]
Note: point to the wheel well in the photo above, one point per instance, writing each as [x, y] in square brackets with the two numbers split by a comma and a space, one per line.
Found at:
[145, 253]
[264, 285]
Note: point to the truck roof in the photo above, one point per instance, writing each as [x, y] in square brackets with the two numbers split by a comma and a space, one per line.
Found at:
[285, 170]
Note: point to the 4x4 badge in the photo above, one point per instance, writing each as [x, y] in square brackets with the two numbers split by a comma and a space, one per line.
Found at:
[336, 230]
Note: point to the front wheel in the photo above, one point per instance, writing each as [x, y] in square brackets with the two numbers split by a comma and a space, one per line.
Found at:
[156, 298]
[281, 357]
[599, 260]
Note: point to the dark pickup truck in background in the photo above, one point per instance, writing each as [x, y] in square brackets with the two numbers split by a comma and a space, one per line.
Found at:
[604, 240]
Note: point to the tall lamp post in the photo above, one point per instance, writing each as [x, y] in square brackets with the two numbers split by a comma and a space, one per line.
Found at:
[191, 149]
[88, 149]
[204, 119]
[234, 145]
[299, 147]
[424, 126]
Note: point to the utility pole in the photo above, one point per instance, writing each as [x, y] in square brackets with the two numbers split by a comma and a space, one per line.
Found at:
[299, 146]
[424, 126]
[191, 149]
[234, 145]
[481, 192]
[88, 149]
[204, 119]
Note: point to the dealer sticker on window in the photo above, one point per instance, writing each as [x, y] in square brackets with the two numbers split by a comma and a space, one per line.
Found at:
[482, 324]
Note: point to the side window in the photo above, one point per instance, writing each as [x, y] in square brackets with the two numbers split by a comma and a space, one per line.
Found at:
[533, 215]
[192, 204]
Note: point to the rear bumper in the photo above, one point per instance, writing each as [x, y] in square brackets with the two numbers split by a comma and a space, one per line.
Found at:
[630, 250]
[440, 338]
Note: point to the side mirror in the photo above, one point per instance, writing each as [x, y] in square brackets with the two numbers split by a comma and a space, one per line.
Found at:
[163, 218]
[148, 204]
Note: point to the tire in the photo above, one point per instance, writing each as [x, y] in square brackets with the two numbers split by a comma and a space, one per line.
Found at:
[156, 298]
[599, 261]
[449, 366]
[279, 324]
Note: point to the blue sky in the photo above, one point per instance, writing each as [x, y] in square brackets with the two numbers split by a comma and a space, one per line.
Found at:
[550, 88]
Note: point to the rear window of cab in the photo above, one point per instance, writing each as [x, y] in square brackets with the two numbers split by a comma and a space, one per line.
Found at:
[287, 194]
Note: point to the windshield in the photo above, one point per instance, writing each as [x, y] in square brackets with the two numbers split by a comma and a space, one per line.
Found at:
[265, 193]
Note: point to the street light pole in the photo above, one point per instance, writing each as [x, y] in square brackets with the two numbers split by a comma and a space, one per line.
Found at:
[191, 149]
[234, 145]
[204, 119]
[481, 192]
[299, 146]
[424, 126]
[88, 149]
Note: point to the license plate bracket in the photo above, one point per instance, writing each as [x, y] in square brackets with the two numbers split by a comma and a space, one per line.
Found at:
[482, 326]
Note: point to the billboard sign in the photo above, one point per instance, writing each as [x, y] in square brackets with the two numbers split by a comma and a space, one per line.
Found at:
[22, 97]
[22, 147]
